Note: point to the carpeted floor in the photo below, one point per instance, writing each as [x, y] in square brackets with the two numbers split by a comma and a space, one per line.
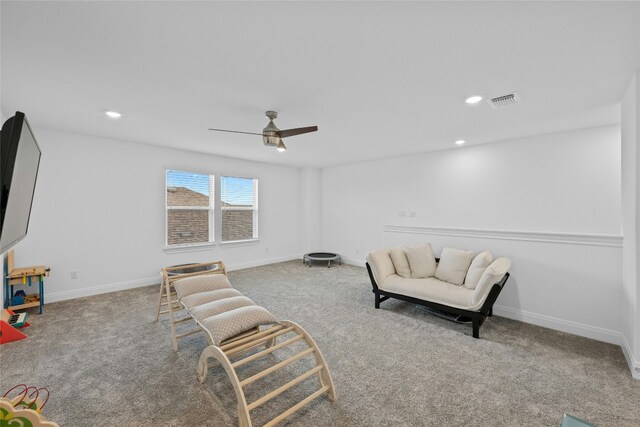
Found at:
[108, 363]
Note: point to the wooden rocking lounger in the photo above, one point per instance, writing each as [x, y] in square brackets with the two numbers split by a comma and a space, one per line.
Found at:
[232, 323]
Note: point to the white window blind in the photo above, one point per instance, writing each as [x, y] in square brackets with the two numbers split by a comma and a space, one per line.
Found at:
[239, 206]
[190, 208]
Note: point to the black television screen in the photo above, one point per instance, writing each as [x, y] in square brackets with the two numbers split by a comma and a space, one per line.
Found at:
[19, 161]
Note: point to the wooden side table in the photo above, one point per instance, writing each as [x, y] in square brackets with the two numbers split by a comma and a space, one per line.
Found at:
[25, 276]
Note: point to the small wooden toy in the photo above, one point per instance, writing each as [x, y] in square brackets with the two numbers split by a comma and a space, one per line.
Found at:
[9, 333]
[18, 297]
[22, 405]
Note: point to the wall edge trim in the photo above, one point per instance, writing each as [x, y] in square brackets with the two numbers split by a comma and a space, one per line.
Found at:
[612, 240]
[100, 289]
[634, 365]
[87, 291]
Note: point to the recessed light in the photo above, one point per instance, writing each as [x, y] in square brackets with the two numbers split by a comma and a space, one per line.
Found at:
[459, 141]
[473, 99]
[113, 114]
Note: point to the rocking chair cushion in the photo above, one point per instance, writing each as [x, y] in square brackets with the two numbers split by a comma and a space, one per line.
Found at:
[214, 308]
[205, 297]
[231, 323]
[197, 284]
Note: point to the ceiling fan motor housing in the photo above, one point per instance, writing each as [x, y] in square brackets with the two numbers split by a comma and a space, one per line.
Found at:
[269, 136]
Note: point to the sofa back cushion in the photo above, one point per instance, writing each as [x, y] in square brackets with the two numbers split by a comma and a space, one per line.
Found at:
[400, 262]
[493, 274]
[381, 265]
[453, 265]
[478, 266]
[421, 260]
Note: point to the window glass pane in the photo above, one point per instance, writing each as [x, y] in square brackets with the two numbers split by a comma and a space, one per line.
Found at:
[239, 208]
[186, 226]
[189, 204]
[187, 189]
[236, 191]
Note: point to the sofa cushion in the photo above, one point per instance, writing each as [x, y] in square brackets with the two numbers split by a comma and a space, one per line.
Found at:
[493, 274]
[453, 265]
[478, 266]
[421, 260]
[430, 289]
[400, 262]
[381, 265]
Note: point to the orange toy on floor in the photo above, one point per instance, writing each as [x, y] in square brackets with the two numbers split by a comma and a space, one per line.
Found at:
[7, 332]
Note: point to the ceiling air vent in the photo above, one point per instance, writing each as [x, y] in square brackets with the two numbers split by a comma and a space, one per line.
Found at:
[501, 101]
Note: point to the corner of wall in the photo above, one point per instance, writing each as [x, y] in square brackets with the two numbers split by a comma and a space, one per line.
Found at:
[630, 186]
[634, 365]
[311, 206]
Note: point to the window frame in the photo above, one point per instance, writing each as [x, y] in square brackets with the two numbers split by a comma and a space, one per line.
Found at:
[254, 208]
[211, 209]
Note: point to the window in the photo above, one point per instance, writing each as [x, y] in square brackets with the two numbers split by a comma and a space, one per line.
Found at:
[239, 206]
[189, 206]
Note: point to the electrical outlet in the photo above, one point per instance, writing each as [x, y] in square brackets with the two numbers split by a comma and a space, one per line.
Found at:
[74, 274]
[412, 214]
[357, 251]
[266, 250]
[402, 214]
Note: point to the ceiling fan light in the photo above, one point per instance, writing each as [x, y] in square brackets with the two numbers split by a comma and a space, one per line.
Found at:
[281, 147]
[270, 139]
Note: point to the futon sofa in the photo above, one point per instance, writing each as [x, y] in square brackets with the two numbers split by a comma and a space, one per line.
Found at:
[459, 282]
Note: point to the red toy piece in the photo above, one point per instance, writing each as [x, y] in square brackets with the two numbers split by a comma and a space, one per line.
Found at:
[7, 332]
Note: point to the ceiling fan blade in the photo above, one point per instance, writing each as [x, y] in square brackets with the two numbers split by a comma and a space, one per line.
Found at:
[237, 131]
[297, 131]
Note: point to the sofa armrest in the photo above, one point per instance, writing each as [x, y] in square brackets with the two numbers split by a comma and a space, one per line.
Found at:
[492, 296]
[495, 274]
[381, 265]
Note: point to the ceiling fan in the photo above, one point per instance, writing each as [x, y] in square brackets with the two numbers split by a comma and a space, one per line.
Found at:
[271, 135]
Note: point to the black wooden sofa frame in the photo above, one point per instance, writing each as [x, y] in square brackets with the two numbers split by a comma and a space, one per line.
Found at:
[477, 317]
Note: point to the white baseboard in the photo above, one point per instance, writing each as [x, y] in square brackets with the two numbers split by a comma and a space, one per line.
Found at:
[593, 332]
[261, 262]
[353, 261]
[132, 284]
[634, 365]
[575, 328]
[101, 289]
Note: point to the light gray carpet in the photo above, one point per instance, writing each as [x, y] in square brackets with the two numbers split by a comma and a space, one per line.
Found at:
[108, 363]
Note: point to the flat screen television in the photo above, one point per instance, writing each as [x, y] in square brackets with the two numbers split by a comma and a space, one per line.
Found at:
[19, 162]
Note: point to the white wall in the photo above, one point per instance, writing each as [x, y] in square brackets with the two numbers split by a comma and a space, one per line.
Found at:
[631, 224]
[99, 210]
[551, 203]
[311, 198]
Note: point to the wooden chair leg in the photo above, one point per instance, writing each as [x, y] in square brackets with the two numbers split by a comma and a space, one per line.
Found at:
[172, 319]
[162, 287]
[203, 366]
[245, 344]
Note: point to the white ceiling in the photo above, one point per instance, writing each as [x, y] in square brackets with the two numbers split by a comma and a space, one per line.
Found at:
[379, 79]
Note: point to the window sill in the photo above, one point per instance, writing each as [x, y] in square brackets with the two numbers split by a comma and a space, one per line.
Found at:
[234, 243]
[190, 248]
